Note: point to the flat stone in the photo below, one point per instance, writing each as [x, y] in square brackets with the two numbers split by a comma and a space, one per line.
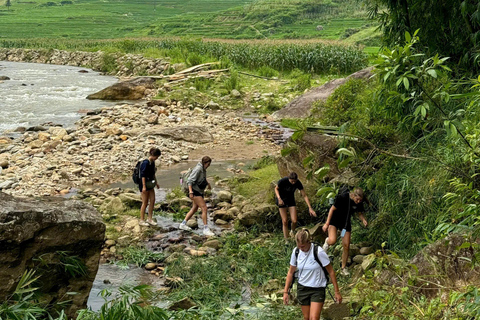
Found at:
[150, 266]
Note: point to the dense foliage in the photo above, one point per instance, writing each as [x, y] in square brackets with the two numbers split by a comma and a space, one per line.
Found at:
[448, 27]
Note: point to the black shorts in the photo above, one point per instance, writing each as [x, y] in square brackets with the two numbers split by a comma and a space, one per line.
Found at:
[286, 203]
[140, 187]
[340, 223]
[307, 295]
[197, 194]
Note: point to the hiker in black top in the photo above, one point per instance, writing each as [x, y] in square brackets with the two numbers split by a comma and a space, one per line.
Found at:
[339, 219]
[147, 184]
[285, 198]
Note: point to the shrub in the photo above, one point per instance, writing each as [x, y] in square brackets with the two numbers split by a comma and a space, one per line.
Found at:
[109, 63]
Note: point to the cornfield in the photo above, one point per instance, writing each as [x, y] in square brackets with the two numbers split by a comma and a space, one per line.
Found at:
[312, 57]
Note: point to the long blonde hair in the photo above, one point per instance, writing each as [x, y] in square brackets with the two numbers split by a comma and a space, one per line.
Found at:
[302, 236]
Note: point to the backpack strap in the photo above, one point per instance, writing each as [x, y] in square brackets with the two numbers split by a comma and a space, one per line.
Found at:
[315, 255]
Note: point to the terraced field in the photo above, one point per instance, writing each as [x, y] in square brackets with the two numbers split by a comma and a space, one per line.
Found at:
[234, 19]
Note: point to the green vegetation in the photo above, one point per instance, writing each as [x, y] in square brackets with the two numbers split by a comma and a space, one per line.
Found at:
[139, 256]
[240, 272]
[259, 186]
[235, 19]
[132, 303]
[450, 33]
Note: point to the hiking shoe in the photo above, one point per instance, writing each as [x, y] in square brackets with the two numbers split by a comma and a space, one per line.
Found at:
[207, 232]
[151, 222]
[183, 226]
[143, 223]
[292, 234]
[344, 272]
[325, 245]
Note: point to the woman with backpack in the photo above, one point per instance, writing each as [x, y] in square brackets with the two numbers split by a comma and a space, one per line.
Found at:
[311, 262]
[339, 219]
[147, 184]
[197, 183]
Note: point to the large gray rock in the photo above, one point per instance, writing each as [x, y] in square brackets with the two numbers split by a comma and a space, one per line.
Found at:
[40, 235]
[127, 90]
[258, 215]
[194, 134]
[301, 107]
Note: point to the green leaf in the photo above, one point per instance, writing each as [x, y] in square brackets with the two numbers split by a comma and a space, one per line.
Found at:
[408, 37]
[322, 172]
[297, 135]
[346, 152]
[432, 72]
[344, 163]
[406, 83]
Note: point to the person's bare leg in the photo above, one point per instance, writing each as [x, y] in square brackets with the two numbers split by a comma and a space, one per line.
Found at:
[306, 312]
[200, 202]
[144, 205]
[346, 248]
[283, 214]
[332, 235]
[192, 211]
[293, 217]
[151, 203]
[315, 310]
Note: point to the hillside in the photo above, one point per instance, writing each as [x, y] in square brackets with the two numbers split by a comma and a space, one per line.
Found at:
[238, 19]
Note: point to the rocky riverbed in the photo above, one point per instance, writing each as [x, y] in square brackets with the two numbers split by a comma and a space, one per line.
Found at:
[106, 143]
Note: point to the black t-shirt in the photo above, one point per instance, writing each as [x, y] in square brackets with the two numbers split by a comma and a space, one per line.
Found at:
[346, 207]
[147, 170]
[286, 189]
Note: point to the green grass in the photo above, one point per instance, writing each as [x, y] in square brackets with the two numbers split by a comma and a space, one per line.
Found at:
[259, 186]
[234, 19]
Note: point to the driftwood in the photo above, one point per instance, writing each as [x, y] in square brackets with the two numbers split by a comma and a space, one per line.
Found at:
[197, 67]
[194, 75]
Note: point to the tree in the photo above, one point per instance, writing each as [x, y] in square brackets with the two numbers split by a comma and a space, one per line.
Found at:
[448, 27]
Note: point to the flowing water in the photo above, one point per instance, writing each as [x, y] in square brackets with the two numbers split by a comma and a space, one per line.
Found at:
[41, 93]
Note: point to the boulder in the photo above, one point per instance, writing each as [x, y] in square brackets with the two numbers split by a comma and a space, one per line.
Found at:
[222, 214]
[112, 205]
[131, 199]
[192, 223]
[256, 216]
[368, 261]
[3, 78]
[300, 107]
[215, 244]
[449, 262]
[181, 202]
[127, 90]
[224, 196]
[194, 134]
[358, 259]
[39, 234]
[366, 250]
[183, 304]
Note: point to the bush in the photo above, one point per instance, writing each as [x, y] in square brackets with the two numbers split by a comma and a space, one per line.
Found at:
[109, 63]
[194, 59]
[232, 82]
[303, 82]
[268, 72]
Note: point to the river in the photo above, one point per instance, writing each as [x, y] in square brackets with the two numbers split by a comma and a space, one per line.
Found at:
[41, 93]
